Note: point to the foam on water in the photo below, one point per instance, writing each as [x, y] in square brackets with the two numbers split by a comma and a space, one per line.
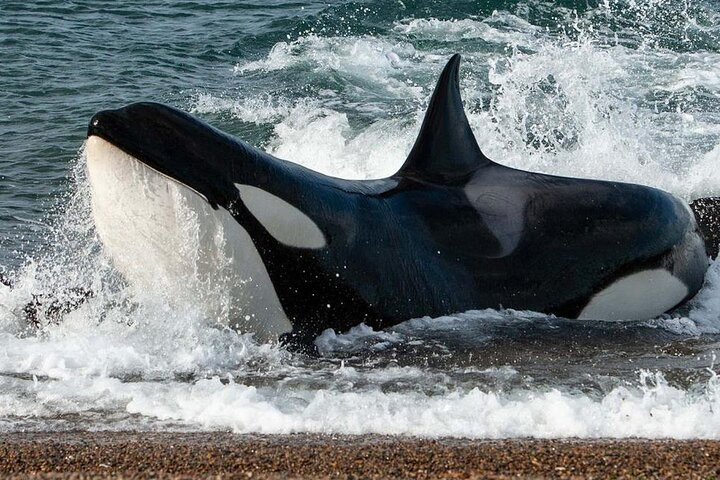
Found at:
[577, 103]
[500, 28]
[649, 408]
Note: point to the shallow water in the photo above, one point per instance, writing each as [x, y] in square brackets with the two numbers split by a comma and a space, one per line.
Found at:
[613, 89]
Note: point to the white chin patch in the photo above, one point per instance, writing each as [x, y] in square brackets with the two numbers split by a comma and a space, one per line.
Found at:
[639, 296]
[286, 223]
[168, 242]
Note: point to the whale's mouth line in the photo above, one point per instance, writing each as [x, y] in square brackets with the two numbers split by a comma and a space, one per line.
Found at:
[102, 143]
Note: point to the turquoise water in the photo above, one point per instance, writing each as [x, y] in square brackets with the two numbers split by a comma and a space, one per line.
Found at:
[614, 89]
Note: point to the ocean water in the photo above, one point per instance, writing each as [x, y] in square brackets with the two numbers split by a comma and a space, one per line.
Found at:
[612, 89]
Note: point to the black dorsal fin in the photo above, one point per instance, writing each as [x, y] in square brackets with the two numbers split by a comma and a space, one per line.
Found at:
[446, 149]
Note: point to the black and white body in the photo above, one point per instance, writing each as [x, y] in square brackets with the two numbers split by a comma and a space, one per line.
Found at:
[185, 210]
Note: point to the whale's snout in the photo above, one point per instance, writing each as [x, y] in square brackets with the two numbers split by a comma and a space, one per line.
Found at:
[97, 122]
[174, 144]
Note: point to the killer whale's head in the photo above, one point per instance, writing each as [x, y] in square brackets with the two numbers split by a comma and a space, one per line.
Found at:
[172, 143]
[166, 189]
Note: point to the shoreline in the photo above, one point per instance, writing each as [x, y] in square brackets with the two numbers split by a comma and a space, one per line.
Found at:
[188, 455]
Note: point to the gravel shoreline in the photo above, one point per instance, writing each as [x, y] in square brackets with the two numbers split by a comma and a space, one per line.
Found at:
[188, 455]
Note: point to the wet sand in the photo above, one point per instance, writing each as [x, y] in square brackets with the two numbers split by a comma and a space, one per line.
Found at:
[143, 455]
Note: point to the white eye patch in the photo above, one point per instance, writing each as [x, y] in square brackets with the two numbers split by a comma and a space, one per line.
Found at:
[286, 223]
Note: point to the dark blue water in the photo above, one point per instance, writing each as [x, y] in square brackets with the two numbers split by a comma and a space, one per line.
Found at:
[615, 89]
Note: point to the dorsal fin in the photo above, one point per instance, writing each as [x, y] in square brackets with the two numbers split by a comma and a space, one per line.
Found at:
[445, 149]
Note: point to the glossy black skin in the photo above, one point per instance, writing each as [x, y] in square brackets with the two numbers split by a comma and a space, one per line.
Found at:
[450, 232]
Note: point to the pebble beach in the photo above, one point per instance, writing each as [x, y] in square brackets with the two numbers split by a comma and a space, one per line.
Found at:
[224, 455]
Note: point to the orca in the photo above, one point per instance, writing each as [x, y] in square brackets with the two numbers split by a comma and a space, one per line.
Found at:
[288, 252]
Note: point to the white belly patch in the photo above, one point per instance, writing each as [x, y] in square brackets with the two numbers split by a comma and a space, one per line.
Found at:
[639, 296]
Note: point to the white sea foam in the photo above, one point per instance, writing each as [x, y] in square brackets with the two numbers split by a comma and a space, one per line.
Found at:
[651, 408]
[264, 109]
[654, 409]
[500, 28]
[366, 57]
